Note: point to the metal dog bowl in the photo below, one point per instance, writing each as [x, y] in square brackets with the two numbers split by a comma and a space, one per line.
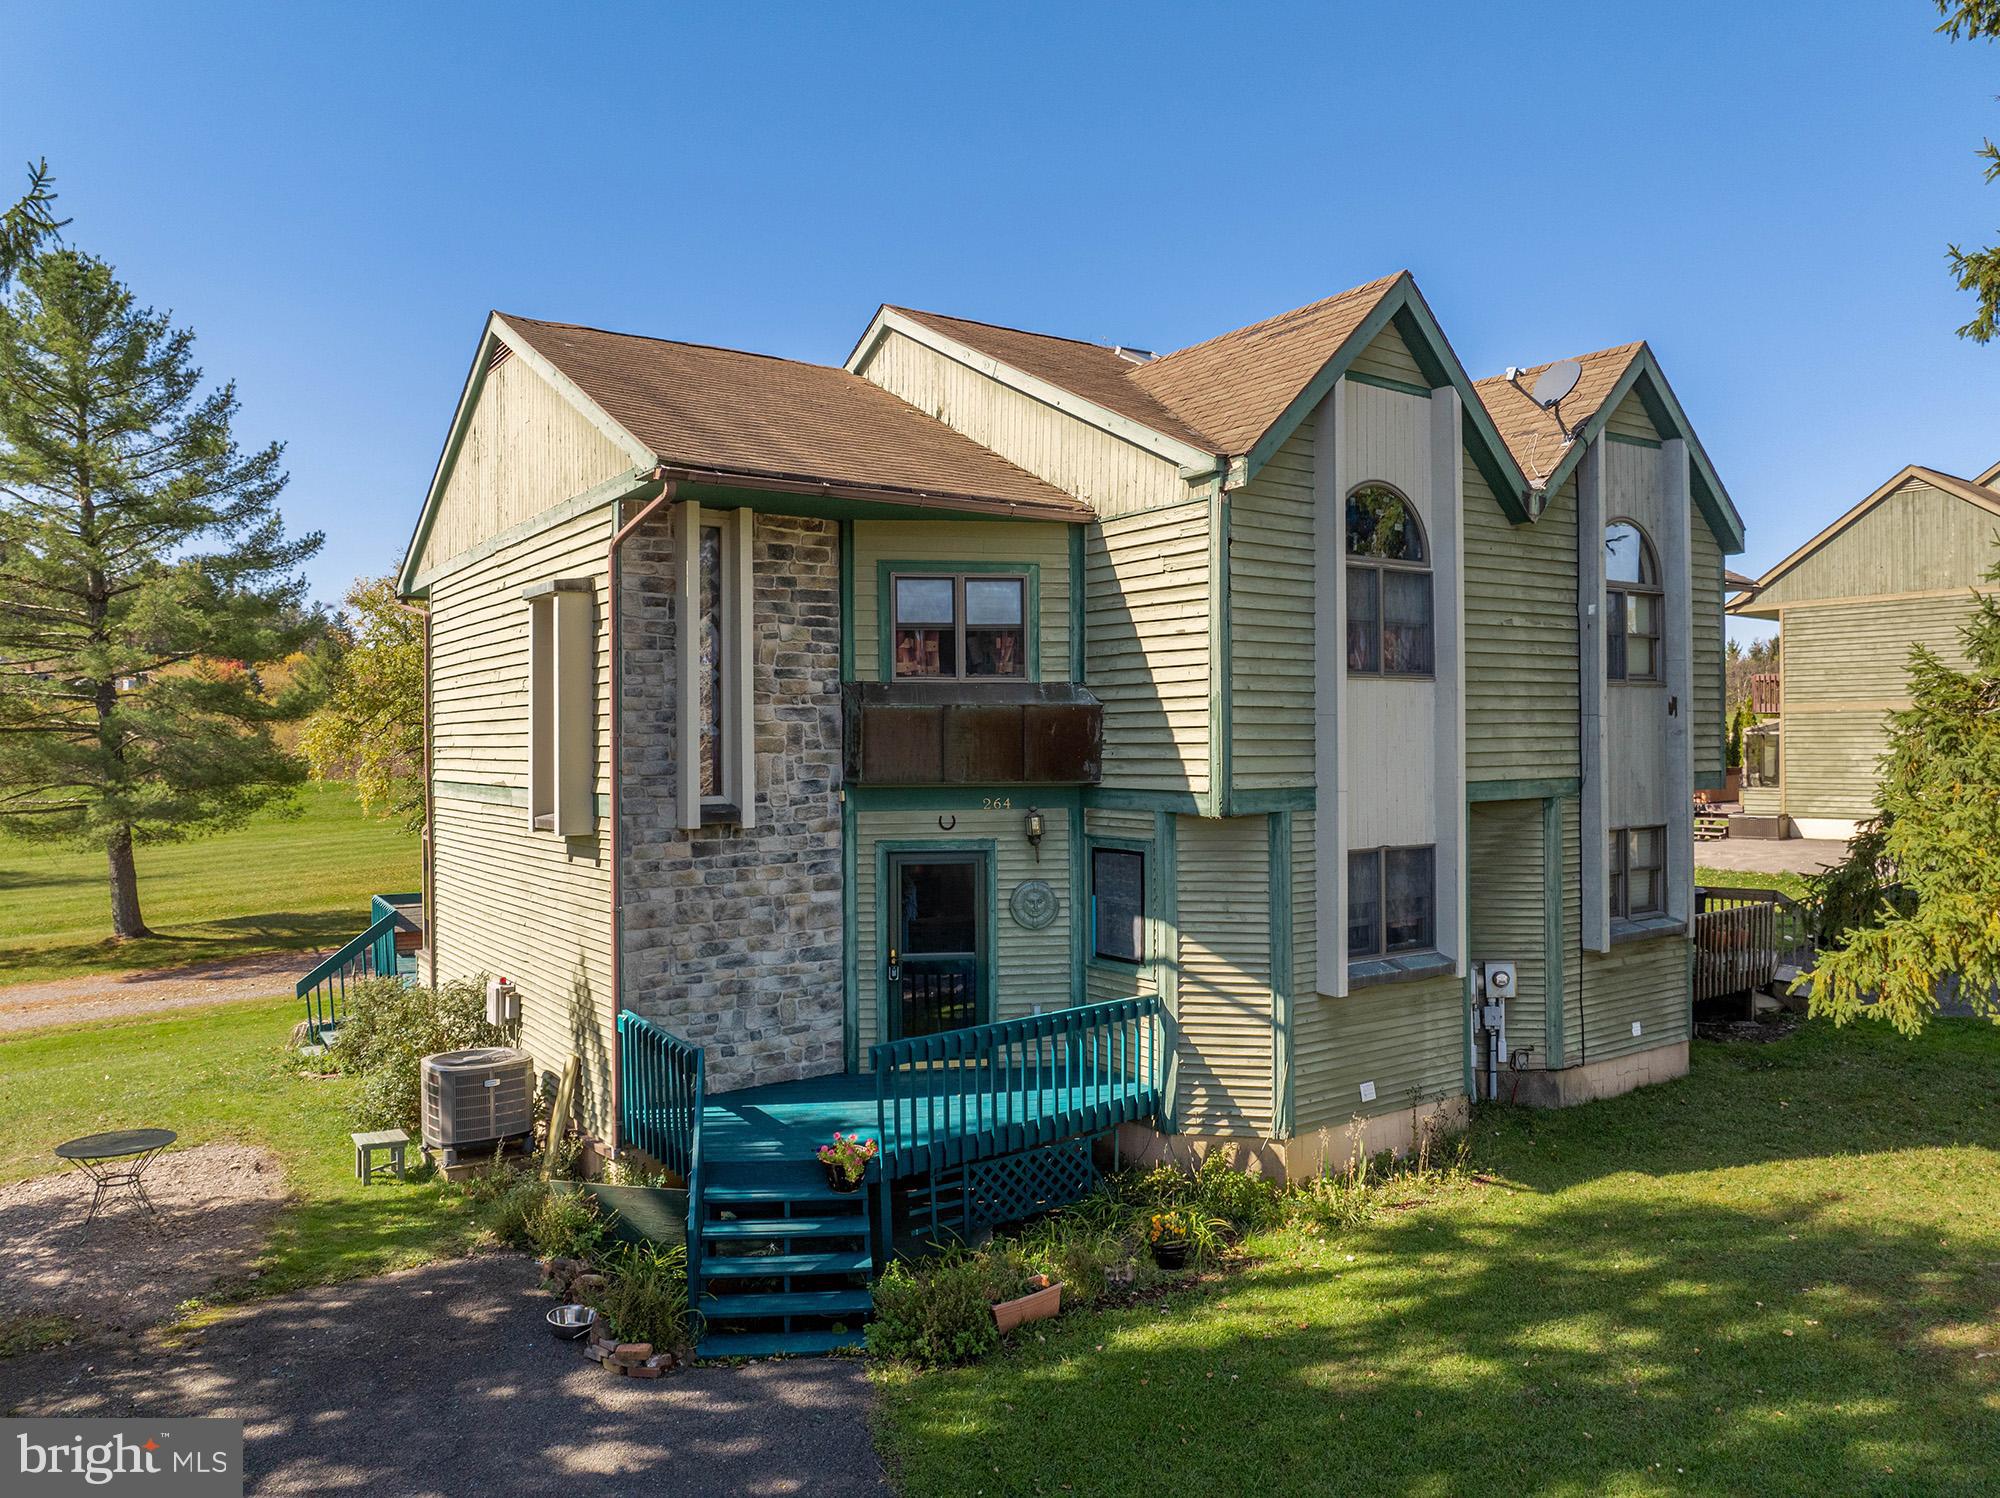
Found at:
[571, 1323]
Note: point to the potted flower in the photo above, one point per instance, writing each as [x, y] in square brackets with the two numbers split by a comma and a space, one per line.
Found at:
[1043, 1300]
[1168, 1234]
[846, 1160]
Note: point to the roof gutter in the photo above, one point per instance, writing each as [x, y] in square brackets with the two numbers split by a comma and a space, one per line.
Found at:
[612, 610]
[928, 499]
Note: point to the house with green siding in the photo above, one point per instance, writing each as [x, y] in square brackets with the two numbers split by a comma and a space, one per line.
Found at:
[1895, 571]
[1266, 746]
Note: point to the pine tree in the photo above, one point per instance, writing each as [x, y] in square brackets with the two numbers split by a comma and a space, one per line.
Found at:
[1916, 905]
[1977, 270]
[145, 575]
[30, 221]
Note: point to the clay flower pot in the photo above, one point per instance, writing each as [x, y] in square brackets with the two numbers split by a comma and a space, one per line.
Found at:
[1038, 1304]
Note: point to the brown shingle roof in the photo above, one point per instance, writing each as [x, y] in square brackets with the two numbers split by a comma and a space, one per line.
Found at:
[757, 416]
[1235, 386]
[1532, 434]
[1220, 395]
[1091, 370]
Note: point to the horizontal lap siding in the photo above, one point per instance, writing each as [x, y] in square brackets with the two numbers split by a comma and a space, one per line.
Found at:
[946, 541]
[1630, 420]
[1846, 667]
[1506, 911]
[1033, 967]
[1146, 642]
[1645, 981]
[1271, 620]
[525, 449]
[1406, 1038]
[1225, 977]
[1520, 638]
[1706, 571]
[1389, 357]
[508, 899]
[1117, 477]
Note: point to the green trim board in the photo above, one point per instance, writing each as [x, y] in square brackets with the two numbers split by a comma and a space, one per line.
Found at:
[1645, 376]
[962, 797]
[987, 851]
[1552, 932]
[885, 573]
[747, 496]
[1277, 798]
[1086, 900]
[1523, 790]
[1404, 306]
[1221, 678]
[1078, 939]
[1384, 382]
[499, 795]
[1280, 887]
[850, 937]
[1115, 798]
[1630, 441]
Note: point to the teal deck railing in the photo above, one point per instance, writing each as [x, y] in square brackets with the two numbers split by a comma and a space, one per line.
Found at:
[944, 1099]
[662, 1092]
[372, 954]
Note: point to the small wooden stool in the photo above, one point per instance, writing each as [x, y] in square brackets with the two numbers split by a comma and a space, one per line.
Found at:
[366, 1170]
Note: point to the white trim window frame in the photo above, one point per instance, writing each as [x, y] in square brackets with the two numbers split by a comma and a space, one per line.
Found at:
[714, 661]
[960, 628]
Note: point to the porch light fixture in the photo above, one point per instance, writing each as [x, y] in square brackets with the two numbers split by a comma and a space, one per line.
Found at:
[1035, 826]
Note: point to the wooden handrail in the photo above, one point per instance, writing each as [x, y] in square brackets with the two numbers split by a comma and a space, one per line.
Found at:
[994, 1089]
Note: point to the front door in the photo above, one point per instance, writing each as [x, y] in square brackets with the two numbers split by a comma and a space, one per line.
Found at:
[937, 943]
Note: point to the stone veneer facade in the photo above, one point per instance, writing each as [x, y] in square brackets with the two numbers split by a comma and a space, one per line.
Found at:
[732, 939]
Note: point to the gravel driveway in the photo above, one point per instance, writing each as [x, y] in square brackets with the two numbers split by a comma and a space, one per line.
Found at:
[442, 1381]
[69, 1001]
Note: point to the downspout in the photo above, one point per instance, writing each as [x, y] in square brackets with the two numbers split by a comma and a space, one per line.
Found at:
[430, 819]
[612, 609]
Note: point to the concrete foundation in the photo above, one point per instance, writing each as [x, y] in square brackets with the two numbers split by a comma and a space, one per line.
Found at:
[1600, 1079]
[1307, 1154]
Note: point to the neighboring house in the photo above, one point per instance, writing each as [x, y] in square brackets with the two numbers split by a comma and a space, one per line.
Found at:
[812, 714]
[1897, 570]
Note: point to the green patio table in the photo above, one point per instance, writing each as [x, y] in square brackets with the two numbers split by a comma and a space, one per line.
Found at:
[117, 1159]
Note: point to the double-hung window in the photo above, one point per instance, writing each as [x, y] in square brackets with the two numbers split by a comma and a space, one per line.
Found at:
[1638, 871]
[1389, 611]
[959, 625]
[1632, 604]
[1118, 905]
[1391, 901]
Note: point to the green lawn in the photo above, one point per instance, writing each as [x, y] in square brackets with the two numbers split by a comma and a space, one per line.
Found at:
[275, 885]
[223, 1073]
[1790, 884]
[1777, 1275]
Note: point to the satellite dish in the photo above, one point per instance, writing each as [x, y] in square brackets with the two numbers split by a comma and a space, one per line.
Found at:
[1555, 382]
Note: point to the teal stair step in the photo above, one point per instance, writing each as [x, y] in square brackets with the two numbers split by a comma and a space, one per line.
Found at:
[777, 1344]
[852, 1226]
[764, 1265]
[765, 1189]
[787, 1303]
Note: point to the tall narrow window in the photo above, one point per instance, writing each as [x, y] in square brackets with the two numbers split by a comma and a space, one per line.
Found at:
[713, 661]
[959, 625]
[1118, 904]
[1638, 871]
[1389, 608]
[1631, 604]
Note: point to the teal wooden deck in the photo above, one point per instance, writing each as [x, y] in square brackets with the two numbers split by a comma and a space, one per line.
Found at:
[778, 1261]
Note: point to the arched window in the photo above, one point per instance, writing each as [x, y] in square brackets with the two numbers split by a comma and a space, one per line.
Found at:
[1632, 604]
[1388, 586]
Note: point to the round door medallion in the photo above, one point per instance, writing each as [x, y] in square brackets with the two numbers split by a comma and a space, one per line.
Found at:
[1033, 903]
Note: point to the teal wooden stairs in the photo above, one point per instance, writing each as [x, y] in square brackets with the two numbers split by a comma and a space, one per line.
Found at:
[978, 1125]
[784, 1261]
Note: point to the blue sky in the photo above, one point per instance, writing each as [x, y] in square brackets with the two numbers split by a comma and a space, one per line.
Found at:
[334, 196]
